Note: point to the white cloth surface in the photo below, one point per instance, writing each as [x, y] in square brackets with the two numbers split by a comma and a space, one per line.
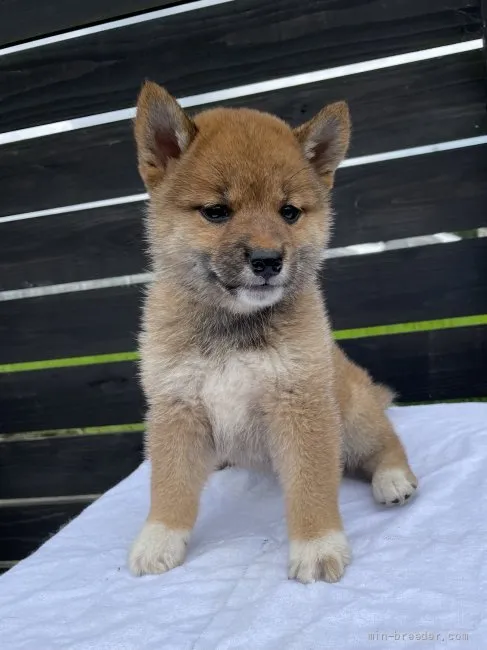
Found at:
[420, 569]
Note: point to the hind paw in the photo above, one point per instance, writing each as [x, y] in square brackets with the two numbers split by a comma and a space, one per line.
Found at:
[394, 486]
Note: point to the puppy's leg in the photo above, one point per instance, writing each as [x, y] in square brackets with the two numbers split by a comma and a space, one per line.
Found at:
[179, 446]
[386, 464]
[305, 445]
[370, 443]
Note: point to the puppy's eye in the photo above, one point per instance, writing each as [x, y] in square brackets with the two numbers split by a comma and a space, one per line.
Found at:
[216, 213]
[290, 213]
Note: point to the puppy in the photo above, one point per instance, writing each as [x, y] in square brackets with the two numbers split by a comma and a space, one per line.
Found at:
[238, 361]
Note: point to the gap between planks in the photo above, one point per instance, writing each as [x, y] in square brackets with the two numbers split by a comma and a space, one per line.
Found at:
[48, 501]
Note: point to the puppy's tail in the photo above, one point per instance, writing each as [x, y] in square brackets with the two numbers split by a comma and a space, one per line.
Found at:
[384, 395]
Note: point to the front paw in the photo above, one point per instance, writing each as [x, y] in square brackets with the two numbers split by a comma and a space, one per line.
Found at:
[157, 549]
[324, 558]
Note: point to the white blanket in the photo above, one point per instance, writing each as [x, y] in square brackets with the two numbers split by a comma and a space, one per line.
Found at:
[418, 577]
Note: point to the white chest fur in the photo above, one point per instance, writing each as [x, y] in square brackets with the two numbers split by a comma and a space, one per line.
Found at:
[229, 393]
[232, 393]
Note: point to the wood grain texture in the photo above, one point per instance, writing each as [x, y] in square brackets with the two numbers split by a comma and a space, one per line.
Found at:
[423, 283]
[441, 192]
[382, 201]
[83, 245]
[225, 45]
[396, 108]
[95, 395]
[24, 20]
[54, 467]
[87, 322]
[422, 366]
[483, 11]
[429, 282]
[24, 528]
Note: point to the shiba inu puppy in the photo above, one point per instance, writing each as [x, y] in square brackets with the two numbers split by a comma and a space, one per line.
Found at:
[238, 362]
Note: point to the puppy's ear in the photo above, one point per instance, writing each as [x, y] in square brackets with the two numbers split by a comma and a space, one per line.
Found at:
[163, 132]
[325, 139]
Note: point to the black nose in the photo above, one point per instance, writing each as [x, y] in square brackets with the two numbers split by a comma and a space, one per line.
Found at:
[265, 263]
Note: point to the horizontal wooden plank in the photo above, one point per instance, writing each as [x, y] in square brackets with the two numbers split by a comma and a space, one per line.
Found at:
[74, 324]
[65, 466]
[437, 365]
[24, 528]
[421, 366]
[423, 283]
[74, 397]
[82, 245]
[24, 20]
[376, 202]
[423, 103]
[218, 47]
[412, 196]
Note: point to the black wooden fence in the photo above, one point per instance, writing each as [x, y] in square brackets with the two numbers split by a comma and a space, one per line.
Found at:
[72, 260]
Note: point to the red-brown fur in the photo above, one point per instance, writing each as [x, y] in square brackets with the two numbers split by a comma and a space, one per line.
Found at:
[245, 373]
